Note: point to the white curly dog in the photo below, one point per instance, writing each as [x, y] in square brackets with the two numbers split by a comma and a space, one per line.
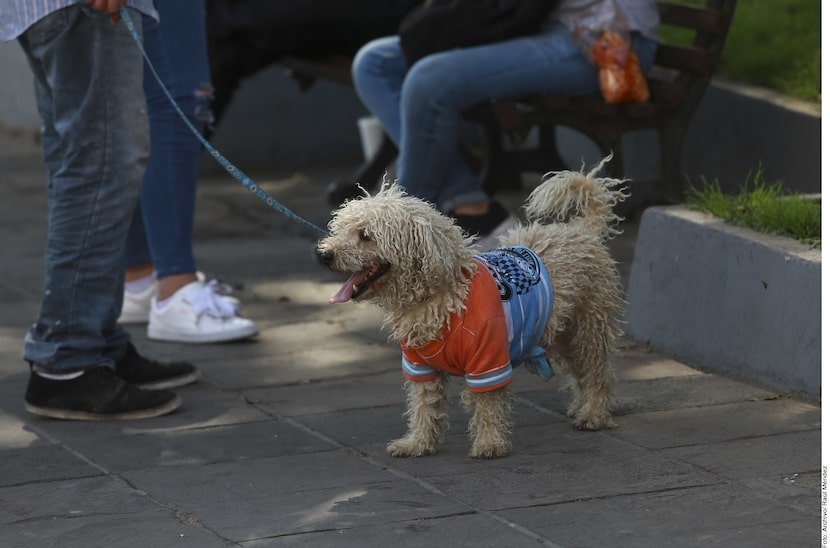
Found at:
[553, 292]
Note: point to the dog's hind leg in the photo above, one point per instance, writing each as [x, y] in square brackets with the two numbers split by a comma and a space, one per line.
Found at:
[428, 419]
[588, 358]
[490, 423]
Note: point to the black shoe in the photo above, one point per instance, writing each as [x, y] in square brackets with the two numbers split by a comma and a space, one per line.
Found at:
[97, 395]
[152, 375]
[341, 191]
[483, 225]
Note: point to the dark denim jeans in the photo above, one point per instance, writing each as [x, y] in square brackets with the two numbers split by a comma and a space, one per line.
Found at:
[162, 230]
[420, 107]
[88, 83]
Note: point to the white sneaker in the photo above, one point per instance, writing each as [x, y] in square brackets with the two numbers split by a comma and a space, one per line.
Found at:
[222, 289]
[197, 313]
[136, 308]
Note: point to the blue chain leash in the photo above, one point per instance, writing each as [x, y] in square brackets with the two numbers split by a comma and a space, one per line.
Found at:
[229, 167]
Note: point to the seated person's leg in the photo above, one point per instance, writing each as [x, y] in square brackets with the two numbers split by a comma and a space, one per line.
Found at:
[440, 87]
[378, 72]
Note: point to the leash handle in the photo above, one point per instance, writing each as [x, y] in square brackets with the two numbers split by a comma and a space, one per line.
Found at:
[229, 167]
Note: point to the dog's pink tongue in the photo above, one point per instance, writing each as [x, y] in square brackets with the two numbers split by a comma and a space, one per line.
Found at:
[345, 292]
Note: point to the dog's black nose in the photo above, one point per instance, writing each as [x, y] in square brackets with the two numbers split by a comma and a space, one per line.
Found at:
[325, 257]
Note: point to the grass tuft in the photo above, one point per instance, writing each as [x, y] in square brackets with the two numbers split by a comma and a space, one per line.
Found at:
[763, 207]
[774, 44]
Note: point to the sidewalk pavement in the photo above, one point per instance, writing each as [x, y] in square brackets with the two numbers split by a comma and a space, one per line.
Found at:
[282, 441]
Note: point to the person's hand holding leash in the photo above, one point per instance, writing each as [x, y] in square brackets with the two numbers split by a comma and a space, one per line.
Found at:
[107, 6]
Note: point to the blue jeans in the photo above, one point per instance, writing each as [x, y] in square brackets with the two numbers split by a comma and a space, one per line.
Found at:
[162, 230]
[88, 84]
[420, 107]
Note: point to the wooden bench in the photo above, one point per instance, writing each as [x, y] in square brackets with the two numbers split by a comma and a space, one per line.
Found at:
[305, 70]
[678, 80]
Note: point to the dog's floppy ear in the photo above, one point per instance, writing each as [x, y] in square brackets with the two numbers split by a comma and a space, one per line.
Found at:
[438, 242]
[414, 232]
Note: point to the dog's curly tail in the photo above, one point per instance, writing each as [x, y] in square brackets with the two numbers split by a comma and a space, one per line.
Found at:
[578, 197]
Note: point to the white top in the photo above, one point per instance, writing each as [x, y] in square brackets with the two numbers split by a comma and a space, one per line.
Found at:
[600, 15]
[18, 15]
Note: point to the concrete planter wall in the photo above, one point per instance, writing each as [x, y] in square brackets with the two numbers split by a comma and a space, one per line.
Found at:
[727, 299]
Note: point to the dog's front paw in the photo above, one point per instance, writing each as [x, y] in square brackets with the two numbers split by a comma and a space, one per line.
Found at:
[409, 446]
[491, 451]
[575, 407]
[593, 421]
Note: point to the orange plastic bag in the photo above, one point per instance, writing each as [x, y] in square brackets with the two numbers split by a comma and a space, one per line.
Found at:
[620, 77]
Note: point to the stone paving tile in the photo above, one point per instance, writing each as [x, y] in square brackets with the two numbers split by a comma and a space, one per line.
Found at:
[636, 362]
[42, 462]
[282, 302]
[459, 530]
[298, 493]
[310, 365]
[245, 259]
[359, 427]
[12, 387]
[141, 528]
[201, 446]
[681, 392]
[12, 367]
[112, 525]
[660, 394]
[291, 354]
[577, 465]
[43, 502]
[704, 516]
[782, 455]
[202, 407]
[717, 423]
[16, 433]
[380, 389]
[784, 467]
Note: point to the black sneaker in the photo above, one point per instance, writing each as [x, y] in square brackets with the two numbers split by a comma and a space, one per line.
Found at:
[152, 375]
[482, 225]
[487, 227]
[97, 395]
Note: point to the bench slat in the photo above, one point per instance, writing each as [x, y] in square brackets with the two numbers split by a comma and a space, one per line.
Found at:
[335, 68]
[692, 17]
[669, 94]
[686, 59]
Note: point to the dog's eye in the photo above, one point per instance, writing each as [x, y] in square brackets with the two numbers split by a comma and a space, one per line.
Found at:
[365, 236]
